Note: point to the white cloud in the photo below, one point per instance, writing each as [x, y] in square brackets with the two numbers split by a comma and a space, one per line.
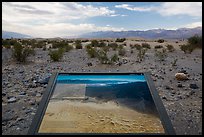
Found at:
[170, 8]
[52, 19]
[193, 25]
[56, 29]
[129, 7]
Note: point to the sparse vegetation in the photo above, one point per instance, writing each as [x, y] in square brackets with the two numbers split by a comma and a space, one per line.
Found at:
[78, 44]
[120, 40]
[114, 46]
[92, 52]
[21, 53]
[122, 52]
[94, 43]
[103, 58]
[195, 41]
[158, 47]
[141, 54]
[186, 48]
[174, 62]
[161, 54]
[170, 48]
[146, 45]
[68, 48]
[56, 55]
[114, 58]
[160, 41]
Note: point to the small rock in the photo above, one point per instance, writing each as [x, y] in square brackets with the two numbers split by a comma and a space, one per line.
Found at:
[21, 71]
[163, 97]
[38, 95]
[89, 64]
[32, 102]
[193, 86]
[3, 94]
[181, 76]
[28, 111]
[183, 71]
[12, 100]
[179, 85]
[167, 87]
[22, 93]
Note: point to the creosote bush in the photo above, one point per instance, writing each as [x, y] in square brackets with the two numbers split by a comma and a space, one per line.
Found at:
[78, 44]
[158, 47]
[141, 54]
[186, 48]
[195, 41]
[120, 40]
[56, 55]
[92, 52]
[21, 53]
[170, 48]
[161, 54]
[160, 40]
[68, 48]
[146, 45]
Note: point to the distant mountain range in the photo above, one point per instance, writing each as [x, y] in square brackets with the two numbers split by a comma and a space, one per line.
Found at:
[8, 35]
[151, 34]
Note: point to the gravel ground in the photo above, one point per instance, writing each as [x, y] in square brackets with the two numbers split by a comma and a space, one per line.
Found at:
[21, 93]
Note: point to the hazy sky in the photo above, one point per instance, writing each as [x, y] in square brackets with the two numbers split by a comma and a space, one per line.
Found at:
[61, 19]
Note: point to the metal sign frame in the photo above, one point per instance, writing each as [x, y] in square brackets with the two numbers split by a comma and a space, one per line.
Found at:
[166, 122]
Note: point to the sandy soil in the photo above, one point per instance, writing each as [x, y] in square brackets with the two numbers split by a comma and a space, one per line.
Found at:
[77, 117]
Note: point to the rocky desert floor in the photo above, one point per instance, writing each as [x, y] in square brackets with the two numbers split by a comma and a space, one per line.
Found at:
[21, 93]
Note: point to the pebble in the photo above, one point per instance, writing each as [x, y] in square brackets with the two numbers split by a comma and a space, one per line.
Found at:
[193, 86]
[12, 100]
[179, 85]
[38, 95]
[22, 93]
[32, 102]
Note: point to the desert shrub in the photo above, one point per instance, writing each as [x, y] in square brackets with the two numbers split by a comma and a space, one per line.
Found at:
[78, 44]
[158, 46]
[5, 42]
[160, 40]
[122, 52]
[170, 48]
[103, 58]
[106, 48]
[120, 40]
[88, 46]
[131, 51]
[94, 43]
[21, 53]
[56, 55]
[114, 46]
[138, 47]
[132, 46]
[161, 54]
[86, 40]
[187, 48]
[195, 41]
[174, 62]
[13, 42]
[146, 45]
[61, 44]
[114, 58]
[141, 54]
[101, 44]
[68, 48]
[92, 52]
[44, 48]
